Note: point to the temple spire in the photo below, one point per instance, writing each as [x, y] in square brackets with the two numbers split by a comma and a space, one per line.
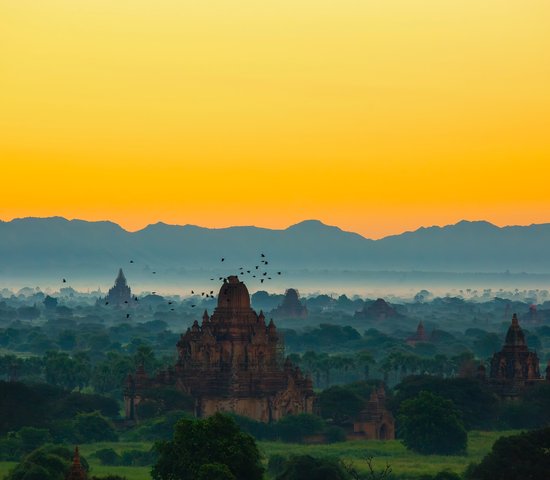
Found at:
[76, 472]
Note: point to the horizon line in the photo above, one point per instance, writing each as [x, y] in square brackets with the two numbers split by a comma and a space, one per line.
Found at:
[308, 220]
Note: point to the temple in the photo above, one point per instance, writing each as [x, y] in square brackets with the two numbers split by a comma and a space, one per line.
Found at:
[375, 422]
[120, 293]
[378, 310]
[419, 336]
[291, 307]
[514, 368]
[76, 472]
[231, 362]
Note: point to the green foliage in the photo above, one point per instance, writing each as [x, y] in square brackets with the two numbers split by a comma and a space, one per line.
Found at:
[259, 430]
[276, 464]
[335, 434]
[306, 466]
[42, 405]
[340, 404]
[477, 406]
[430, 424]
[214, 471]
[160, 428]
[46, 463]
[294, 428]
[214, 440]
[523, 456]
[107, 456]
[93, 427]
[31, 438]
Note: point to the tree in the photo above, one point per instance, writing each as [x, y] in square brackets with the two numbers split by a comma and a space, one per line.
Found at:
[293, 428]
[51, 462]
[93, 427]
[216, 440]
[430, 424]
[306, 466]
[518, 456]
[340, 404]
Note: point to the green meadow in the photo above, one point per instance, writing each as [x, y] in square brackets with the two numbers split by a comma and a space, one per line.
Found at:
[404, 464]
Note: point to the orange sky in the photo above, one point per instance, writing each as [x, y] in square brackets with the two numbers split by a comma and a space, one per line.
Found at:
[376, 116]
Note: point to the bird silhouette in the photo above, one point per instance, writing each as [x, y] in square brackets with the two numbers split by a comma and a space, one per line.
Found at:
[127, 315]
[193, 306]
[262, 280]
[64, 280]
[263, 256]
[154, 273]
[106, 303]
[131, 261]
[223, 259]
[278, 273]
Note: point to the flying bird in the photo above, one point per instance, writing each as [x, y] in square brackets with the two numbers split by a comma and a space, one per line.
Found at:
[278, 273]
[262, 280]
[263, 256]
[223, 259]
[64, 280]
[131, 261]
[127, 315]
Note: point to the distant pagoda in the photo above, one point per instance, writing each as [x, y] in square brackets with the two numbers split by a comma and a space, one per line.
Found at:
[291, 307]
[120, 294]
[419, 337]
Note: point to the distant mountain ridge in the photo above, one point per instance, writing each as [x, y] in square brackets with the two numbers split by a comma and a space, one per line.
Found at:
[57, 244]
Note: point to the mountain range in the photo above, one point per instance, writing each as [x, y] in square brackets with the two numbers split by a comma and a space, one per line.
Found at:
[45, 246]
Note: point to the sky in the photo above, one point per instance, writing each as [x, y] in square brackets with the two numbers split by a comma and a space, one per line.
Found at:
[376, 116]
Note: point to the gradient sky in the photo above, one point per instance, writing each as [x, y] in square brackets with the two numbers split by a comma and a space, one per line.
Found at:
[377, 116]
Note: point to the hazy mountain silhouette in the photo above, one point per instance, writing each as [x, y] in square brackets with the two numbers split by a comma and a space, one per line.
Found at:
[33, 245]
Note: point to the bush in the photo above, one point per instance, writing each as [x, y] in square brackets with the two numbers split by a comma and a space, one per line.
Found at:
[51, 462]
[93, 427]
[276, 464]
[305, 466]
[107, 456]
[294, 428]
[516, 457]
[335, 434]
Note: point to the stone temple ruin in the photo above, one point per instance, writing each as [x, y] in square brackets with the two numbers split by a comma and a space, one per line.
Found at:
[231, 362]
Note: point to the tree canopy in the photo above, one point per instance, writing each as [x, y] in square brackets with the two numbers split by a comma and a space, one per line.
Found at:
[430, 424]
[212, 446]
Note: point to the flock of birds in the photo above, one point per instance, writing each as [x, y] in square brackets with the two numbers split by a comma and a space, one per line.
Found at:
[257, 271]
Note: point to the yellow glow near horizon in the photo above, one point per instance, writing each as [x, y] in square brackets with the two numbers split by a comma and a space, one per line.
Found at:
[377, 116]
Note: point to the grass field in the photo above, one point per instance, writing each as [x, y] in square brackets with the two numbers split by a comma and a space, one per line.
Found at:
[404, 464]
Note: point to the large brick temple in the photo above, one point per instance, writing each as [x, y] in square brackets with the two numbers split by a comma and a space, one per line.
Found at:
[231, 362]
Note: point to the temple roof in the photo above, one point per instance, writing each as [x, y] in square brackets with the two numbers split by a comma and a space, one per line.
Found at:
[120, 279]
[234, 294]
[515, 336]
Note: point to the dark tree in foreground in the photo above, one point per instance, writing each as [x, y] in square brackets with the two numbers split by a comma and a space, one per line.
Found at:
[523, 456]
[430, 424]
[208, 448]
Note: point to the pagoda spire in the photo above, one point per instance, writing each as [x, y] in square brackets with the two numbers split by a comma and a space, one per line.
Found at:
[76, 471]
